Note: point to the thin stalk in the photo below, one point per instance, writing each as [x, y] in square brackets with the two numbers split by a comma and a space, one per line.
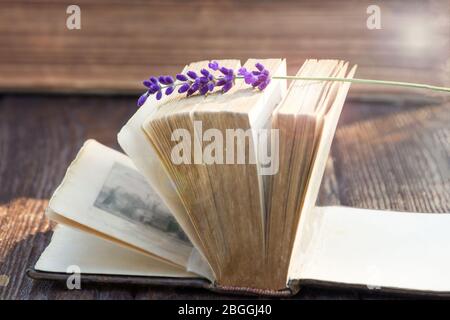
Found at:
[367, 81]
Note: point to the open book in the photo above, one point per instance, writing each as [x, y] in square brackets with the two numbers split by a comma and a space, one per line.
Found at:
[220, 191]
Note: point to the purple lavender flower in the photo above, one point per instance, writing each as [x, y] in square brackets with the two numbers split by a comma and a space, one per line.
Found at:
[205, 82]
[169, 90]
[184, 87]
[225, 71]
[162, 79]
[154, 88]
[227, 86]
[220, 82]
[142, 99]
[249, 77]
[192, 75]
[204, 72]
[213, 65]
[261, 77]
[194, 87]
[258, 78]
[181, 77]
[227, 80]
[259, 66]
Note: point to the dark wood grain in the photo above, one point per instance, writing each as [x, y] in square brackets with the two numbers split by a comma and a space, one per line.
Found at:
[384, 156]
[123, 42]
[394, 157]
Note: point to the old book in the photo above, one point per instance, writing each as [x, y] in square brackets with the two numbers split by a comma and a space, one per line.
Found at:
[217, 194]
[222, 217]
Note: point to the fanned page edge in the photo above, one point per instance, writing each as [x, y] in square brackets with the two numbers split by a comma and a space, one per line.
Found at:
[280, 68]
[310, 223]
[134, 141]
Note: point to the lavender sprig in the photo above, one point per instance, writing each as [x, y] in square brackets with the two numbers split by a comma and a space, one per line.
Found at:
[259, 78]
[205, 82]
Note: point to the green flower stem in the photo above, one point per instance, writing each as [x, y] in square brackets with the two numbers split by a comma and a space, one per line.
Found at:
[366, 81]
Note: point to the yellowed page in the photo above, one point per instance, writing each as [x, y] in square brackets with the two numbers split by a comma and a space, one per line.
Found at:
[309, 222]
[92, 255]
[103, 193]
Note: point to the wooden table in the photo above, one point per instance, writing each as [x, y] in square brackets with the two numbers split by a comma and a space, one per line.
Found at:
[391, 150]
[386, 155]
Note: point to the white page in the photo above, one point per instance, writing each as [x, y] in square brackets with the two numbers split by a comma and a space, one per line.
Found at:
[380, 249]
[103, 191]
[93, 255]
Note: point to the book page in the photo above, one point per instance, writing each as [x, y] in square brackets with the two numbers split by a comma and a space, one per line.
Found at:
[309, 222]
[103, 193]
[296, 120]
[93, 255]
[223, 199]
[137, 146]
[379, 249]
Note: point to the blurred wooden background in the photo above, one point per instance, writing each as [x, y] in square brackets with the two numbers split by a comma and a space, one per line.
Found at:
[388, 153]
[123, 42]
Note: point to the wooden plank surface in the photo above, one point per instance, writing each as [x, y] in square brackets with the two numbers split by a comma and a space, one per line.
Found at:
[385, 156]
[123, 42]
